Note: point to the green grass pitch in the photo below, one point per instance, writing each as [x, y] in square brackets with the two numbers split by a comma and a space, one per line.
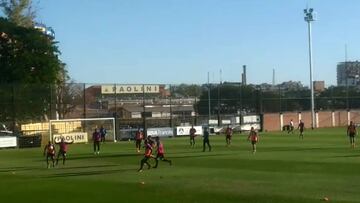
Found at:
[284, 169]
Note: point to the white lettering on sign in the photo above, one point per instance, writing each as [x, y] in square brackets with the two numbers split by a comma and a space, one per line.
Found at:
[129, 89]
[161, 132]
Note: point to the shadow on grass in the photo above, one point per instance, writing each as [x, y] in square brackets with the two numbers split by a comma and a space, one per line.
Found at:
[17, 169]
[86, 173]
[104, 156]
[94, 166]
[273, 149]
[91, 156]
[205, 154]
[347, 156]
[11, 169]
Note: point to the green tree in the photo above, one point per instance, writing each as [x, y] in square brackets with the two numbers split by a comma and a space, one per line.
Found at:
[30, 69]
[28, 56]
[229, 99]
[184, 90]
[19, 12]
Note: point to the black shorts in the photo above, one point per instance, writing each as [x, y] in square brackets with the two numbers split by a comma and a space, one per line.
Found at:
[50, 154]
[146, 158]
[352, 134]
[253, 142]
[228, 137]
[62, 152]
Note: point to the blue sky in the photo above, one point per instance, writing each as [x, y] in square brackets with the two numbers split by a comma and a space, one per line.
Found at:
[179, 41]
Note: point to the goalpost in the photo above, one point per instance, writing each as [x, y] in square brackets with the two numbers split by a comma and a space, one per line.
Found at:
[80, 130]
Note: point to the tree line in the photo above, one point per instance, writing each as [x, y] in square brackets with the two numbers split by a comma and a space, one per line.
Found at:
[31, 72]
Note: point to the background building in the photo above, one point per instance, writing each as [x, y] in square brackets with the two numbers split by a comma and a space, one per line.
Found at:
[348, 73]
[319, 86]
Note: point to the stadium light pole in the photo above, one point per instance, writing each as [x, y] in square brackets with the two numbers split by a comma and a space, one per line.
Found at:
[209, 97]
[309, 17]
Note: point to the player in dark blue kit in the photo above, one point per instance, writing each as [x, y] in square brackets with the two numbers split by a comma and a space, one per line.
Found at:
[206, 140]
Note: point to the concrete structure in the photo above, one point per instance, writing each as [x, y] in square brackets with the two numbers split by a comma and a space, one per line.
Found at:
[324, 119]
[46, 30]
[163, 111]
[319, 86]
[244, 75]
[291, 86]
[348, 73]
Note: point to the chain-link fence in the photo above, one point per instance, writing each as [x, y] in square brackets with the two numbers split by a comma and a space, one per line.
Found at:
[160, 105]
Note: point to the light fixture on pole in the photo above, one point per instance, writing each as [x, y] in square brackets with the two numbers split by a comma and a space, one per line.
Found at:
[309, 17]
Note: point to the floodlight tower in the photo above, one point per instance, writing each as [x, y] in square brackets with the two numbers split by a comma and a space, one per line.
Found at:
[309, 17]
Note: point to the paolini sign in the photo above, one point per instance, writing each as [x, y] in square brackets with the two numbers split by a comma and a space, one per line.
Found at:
[69, 137]
[129, 89]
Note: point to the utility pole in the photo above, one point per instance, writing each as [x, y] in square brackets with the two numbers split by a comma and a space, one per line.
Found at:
[309, 17]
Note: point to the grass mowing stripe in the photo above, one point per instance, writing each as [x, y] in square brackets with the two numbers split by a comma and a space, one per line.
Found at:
[284, 169]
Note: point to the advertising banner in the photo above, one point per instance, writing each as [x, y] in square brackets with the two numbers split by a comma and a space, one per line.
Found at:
[213, 122]
[161, 132]
[251, 119]
[79, 137]
[7, 141]
[226, 122]
[247, 127]
[185, 130]
[129, 89]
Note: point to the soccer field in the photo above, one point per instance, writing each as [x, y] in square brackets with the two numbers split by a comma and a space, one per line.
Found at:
[284, 169]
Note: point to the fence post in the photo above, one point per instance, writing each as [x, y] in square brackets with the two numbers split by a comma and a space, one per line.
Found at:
[50, 103]
[280, 107]
[317, 119]
[218, 105]
[84, 100]
[13, 107]
[171, 119]
[144, 113]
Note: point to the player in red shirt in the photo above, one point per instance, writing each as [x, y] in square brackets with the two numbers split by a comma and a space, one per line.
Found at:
[147, 155]
[160, 153]
[254, 138]
[301, 128]
[192, 132]
[139, 136]
[49, 151]
[351, 132]
[228, 134]
[63, 149]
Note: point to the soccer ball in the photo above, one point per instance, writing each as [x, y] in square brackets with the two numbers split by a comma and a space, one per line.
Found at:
[326, 199]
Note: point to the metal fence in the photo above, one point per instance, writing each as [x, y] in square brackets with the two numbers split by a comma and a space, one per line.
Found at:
[160, 105]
